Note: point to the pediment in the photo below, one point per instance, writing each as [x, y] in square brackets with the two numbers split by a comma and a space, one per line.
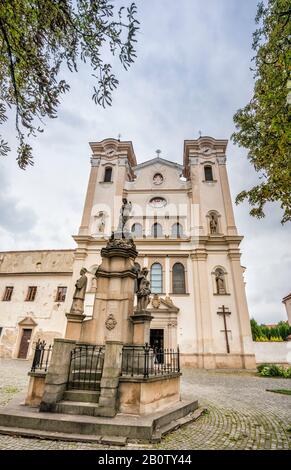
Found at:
[159, 161]
[27, 321]
[160, 304]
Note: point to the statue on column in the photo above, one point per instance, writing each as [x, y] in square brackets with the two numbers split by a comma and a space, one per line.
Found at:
[143, 291]
[101, 225]
[123, 225]
[220, 282]
[77, 307]
[213, 224]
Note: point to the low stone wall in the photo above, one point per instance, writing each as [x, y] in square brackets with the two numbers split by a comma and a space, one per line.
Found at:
[142, 396]
[273, 352]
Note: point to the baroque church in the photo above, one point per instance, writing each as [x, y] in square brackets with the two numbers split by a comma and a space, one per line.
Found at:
[182, 221]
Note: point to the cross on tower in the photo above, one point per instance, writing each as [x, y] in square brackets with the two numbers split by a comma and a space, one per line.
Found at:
[158, 153]
[225, 312]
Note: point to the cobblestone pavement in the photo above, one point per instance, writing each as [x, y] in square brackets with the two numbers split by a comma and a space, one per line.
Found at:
[241, 414]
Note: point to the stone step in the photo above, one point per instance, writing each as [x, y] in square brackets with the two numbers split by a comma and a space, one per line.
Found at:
[61, 436]
[15, 415]
[87, 396]
[84, 384]
[76, 408]
[82, 374]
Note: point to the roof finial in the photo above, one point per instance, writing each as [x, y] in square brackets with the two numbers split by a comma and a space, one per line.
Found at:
[200, 133]
[119, 137]
[158, 151]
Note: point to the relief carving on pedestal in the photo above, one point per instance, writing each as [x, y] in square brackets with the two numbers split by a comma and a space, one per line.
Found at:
[110, 322]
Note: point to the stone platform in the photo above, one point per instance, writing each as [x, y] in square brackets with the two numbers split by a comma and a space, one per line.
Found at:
[18, 419]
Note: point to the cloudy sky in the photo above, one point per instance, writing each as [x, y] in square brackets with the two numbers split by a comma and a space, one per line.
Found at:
[192, 73]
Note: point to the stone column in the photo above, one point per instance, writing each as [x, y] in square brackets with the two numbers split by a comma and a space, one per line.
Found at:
[111, 316]
[204, 320]
[114, 298]
[141, 327]
[57, 375]
[248, 356]
[230, 223]
[196, 222]
[108, 401]
[89, 201]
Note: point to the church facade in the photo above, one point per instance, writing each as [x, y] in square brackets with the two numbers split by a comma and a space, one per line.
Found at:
[182, 221]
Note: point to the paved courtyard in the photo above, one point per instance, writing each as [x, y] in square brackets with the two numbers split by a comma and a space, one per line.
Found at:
[240, 414]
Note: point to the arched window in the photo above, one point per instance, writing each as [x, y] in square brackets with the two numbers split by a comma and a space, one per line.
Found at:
[108, 174]
[177, 230]
[156, 278]
[208, 173]
[157, 230]
[136, 230]
[220, 281]
[179, 286]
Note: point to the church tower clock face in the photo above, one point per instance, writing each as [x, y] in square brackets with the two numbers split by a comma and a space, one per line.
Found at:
[158, 178]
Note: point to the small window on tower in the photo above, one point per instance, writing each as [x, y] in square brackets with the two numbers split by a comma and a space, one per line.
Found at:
[208, 173]
[108, 175]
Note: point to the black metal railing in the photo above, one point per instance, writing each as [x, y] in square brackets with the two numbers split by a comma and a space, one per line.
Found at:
[42, 356]
[86, 365]
[147, 362]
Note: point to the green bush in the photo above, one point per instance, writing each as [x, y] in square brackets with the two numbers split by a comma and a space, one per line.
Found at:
[273, 370]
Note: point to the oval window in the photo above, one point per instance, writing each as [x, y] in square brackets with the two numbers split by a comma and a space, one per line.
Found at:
[158, 202]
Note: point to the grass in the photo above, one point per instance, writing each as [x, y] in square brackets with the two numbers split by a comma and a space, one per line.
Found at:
[283, 391]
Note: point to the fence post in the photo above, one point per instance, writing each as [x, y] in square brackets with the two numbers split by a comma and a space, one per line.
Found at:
[146, 360]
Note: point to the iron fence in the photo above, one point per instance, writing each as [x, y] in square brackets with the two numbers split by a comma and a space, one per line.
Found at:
[42, 356]
[86, 365]
[146, 361]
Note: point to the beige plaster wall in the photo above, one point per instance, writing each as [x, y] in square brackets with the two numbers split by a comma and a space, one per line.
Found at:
[21, 270]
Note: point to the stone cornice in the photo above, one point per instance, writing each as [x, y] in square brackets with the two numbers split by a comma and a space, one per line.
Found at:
[37, 273]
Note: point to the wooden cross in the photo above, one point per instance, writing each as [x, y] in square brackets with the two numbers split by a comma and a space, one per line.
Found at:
[226, 331]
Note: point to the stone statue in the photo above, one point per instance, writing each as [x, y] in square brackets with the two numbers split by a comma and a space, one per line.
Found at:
[220, 283]
[77, 307]
[101, 225]
[143, 291]
[123, 224]
[213, 224]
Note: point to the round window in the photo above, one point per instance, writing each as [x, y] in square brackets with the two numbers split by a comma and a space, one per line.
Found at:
[158, 202]
[158, 178]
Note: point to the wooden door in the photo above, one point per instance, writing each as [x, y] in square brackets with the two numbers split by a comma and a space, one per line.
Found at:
[24, 343]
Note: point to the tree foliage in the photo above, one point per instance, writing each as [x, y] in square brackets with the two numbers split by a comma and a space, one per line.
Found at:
[266, 333]
[263, 125]
[38, 37]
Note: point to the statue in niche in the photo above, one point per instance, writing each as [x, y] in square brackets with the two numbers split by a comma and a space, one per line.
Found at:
[213, 224]
[77, 307]
[220, 281]
[123, 224]
[101, 223]
[143, 290]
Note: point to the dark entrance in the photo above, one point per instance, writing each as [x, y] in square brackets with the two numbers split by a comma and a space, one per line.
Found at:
[157, 338]
[157, 344]
[24, 343]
